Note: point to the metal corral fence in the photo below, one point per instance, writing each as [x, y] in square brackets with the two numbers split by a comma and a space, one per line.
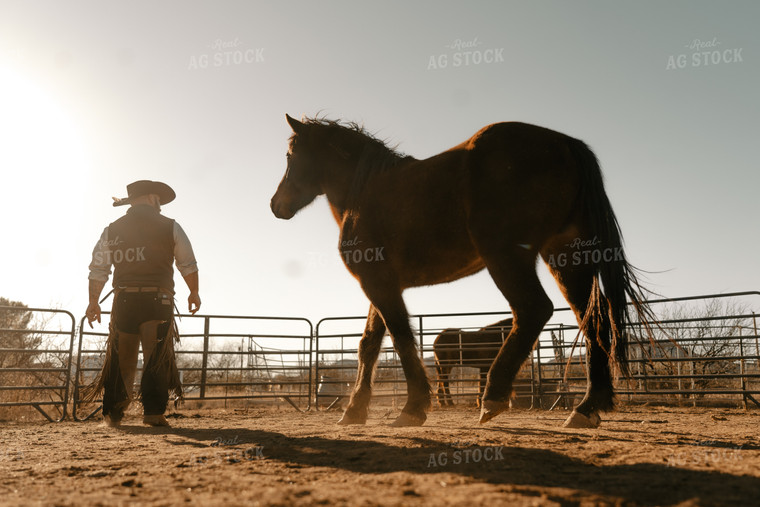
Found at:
[703, 349]
[220, 357]
[336, 349]
[35, 359]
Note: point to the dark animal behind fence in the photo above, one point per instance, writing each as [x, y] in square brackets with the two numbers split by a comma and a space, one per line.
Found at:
[472, 349]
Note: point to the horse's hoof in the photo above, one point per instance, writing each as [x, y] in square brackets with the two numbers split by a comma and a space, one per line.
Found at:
[578, 420]
[351, 419]
[156, 420]
[409, 420]
[490, 409]
[111, 422]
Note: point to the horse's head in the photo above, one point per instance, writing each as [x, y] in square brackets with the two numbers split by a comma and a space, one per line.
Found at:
[327, 157]
[301, 183]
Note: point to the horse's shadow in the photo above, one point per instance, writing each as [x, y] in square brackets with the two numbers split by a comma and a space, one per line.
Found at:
[527, 468]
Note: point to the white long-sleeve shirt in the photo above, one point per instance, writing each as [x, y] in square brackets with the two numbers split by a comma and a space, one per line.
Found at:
[184, 258]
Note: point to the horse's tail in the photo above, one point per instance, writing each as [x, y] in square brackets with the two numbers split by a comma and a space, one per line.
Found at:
[607, 311]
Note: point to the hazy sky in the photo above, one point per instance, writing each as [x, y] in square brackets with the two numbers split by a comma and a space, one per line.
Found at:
[94, 96]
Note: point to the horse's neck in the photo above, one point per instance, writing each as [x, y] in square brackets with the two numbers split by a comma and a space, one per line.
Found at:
[346, 179]
[337, 186]
[338, 212]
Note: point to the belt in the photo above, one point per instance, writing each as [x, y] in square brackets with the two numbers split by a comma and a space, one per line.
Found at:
[137, 289]
[142, 289]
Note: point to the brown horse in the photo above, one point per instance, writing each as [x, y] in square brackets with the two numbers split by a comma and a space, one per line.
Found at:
[500, 199]
[473, 349]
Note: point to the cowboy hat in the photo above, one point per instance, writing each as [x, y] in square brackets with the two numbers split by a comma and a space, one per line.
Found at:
[145, 187]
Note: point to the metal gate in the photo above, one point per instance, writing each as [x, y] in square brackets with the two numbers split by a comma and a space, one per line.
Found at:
[704, 349]
[220, 357]
[35, 359]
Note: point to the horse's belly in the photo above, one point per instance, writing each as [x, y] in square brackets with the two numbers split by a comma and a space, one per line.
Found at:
[442, 267]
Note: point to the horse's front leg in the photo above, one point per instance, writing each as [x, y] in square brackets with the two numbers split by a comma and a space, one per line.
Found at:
[388, 306]
[419, 393]
[369, 349]
[417, 383]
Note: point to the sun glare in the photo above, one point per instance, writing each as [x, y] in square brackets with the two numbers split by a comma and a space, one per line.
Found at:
[41, 148]
[43, 171]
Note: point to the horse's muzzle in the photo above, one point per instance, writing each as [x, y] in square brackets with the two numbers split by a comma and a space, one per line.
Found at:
[281, 210]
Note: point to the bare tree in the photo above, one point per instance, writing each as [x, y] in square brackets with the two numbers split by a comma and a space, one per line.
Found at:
[31, 365]
[702, 340]
[16, 335]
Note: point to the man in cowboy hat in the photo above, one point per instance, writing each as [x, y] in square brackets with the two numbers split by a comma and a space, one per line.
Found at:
[141, 246]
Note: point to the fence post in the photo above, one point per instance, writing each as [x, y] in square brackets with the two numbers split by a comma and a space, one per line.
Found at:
[678, 372]
[742, 371]
[540, 387]
[757, 344]
[204, 364]
[422, 341]
[316, 367]
[645, 380]
[310, 388]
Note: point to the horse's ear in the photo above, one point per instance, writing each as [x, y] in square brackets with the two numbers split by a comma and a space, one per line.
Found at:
[296, 125]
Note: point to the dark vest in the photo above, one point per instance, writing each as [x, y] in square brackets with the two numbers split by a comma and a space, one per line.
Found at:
[141, 245]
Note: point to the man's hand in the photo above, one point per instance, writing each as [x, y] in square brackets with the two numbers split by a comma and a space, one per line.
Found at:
[93, 309]
[193, 302]
[93, 313]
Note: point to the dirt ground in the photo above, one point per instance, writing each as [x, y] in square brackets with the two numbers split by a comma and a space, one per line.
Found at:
[640, 456]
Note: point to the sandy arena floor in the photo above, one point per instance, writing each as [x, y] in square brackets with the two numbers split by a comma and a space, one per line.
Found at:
[640, 456]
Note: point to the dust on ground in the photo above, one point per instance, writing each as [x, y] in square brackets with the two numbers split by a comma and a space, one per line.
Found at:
[639, 456]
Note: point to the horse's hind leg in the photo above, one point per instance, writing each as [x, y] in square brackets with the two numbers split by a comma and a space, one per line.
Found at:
[576, 283]
[482, 376]
[369, 349]
[515, 275]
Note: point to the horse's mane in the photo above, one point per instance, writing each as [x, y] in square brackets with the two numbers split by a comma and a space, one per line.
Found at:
[350, 139]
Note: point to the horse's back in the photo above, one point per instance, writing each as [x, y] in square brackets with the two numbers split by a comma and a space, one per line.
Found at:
[523, 182]
[446, 337]
[514, 131]
[505, 324]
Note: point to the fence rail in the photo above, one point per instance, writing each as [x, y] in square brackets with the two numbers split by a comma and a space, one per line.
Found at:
[722, 363]
[37, 373]
[691, 357]
[220, 358]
